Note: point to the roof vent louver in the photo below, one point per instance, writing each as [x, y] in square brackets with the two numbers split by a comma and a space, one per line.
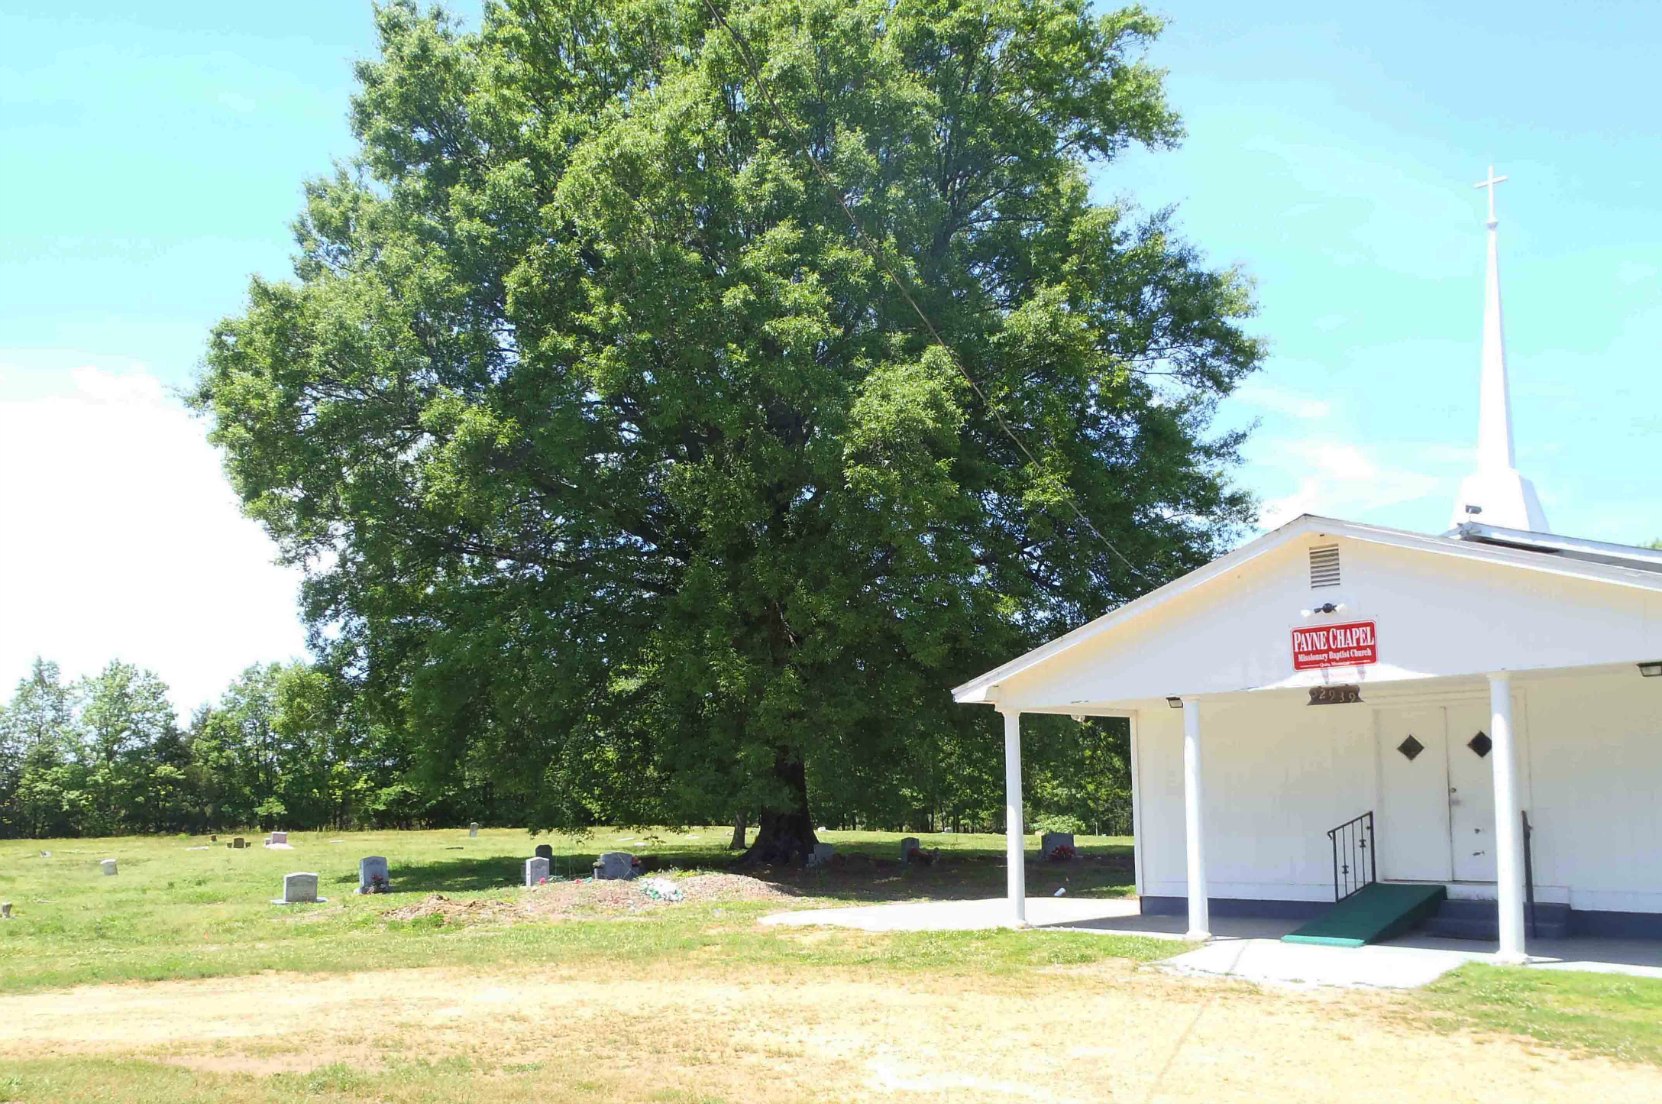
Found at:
[1324, 566]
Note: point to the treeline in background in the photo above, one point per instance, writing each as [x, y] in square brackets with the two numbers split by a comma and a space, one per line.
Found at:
[289, 746]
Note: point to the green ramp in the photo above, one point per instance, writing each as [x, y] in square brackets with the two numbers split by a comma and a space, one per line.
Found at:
[1380, 910]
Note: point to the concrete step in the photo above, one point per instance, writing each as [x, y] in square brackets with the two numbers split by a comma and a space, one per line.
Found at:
[1481, 920]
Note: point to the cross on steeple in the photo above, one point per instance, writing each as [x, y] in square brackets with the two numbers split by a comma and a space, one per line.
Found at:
[1490, 184]
[1496, 494]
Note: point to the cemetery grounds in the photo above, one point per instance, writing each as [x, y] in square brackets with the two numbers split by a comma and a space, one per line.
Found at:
[178, 981]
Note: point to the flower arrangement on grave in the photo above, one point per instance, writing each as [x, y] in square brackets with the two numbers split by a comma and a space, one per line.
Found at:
[1062, 852]
[378, 883]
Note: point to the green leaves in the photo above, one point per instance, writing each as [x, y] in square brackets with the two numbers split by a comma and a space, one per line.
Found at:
[628, 477]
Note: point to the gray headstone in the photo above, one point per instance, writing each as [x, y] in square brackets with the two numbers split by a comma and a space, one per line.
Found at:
[615, 866]
[299, 889]
[108, 865]
[239, 843]
[278, 837]
[907, 846]
[823, 853]
[1052, 840]
[536, 871]
[473, 830]
[5, 910]
[544, 851]
[373, 876]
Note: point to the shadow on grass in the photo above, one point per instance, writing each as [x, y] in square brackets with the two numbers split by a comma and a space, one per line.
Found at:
[955, 876]
[860, 873]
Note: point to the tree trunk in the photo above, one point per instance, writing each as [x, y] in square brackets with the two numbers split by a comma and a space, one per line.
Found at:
[739, 825]
[785, 836]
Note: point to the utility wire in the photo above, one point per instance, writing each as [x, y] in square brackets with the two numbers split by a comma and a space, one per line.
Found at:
[877, 254]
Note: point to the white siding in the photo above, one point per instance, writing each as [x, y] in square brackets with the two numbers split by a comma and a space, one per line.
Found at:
[1280, 773]
[1596, 774]
[1437, 617]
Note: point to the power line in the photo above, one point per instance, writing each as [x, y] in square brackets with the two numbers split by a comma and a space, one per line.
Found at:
[876, 252]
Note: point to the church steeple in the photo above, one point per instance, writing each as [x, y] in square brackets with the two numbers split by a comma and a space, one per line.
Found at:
[1496, 494]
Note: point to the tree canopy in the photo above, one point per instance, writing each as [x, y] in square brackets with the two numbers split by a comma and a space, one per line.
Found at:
[674, 398]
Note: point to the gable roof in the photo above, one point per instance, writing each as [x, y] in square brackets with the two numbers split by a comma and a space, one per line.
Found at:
[1564, 556]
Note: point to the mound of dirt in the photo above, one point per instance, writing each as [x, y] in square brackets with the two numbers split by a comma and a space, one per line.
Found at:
[589, 898]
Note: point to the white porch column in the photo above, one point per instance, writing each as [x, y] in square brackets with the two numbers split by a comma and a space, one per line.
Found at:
[1509, 842]
[1014, 840]
[1200, 920]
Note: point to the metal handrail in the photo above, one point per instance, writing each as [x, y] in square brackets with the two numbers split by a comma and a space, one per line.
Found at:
[1354, 865]
[1529, 871]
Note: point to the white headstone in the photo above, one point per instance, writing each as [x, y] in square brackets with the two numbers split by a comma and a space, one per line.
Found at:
[299, 889]
[473, 830]
[823, 853]
[536, 871]
[615, 866]
[108, 865]
[373, 876]
[907, 846]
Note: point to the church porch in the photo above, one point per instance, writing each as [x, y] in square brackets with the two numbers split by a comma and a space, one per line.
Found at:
[1419, 781]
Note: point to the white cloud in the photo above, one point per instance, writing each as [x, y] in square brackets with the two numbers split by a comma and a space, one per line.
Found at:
[120, 538]
[1279, 401]
[1339, 479]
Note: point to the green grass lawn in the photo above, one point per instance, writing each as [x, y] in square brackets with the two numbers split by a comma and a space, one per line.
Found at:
[177, 911]
[1600, 1013]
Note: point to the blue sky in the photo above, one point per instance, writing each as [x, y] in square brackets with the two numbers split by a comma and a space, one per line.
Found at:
[151, 159]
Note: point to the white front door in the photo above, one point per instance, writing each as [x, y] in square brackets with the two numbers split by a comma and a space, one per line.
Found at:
[1471, 793]
[1412, 835]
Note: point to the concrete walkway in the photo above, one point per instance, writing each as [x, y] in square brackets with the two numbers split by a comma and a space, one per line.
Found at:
[1248, 949]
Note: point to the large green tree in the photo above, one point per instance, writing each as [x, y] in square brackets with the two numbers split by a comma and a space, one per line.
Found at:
[676, 396]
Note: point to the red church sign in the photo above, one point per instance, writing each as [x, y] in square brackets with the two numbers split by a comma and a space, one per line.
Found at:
[1352, 644]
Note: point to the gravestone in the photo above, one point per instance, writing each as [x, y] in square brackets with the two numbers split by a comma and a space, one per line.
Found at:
[907, 846]
[299, 889]
[473, 830]
[544, 851]
[373, 876]
[239, 843]
[5, 910]
[278, 839]
[536, 871]
[823, 853]
[615, 866]
[108, 865]
[1052, 840]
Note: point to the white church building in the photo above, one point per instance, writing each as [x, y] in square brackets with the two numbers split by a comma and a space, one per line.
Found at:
[1374, 729]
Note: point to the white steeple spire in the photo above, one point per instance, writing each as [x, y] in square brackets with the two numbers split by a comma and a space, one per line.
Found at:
[1496, 494]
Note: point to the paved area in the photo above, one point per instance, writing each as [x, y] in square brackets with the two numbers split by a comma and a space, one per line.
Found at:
[1248, 949]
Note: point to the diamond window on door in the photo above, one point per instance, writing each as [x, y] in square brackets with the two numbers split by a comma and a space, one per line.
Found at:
[1410, 748]
[1480, 744]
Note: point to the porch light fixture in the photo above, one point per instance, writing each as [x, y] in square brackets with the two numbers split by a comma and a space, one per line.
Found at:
[1325, 607]
[1175, 703]
[1651, 669]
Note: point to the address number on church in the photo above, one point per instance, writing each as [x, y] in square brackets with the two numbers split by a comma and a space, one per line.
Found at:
[1335, 695]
